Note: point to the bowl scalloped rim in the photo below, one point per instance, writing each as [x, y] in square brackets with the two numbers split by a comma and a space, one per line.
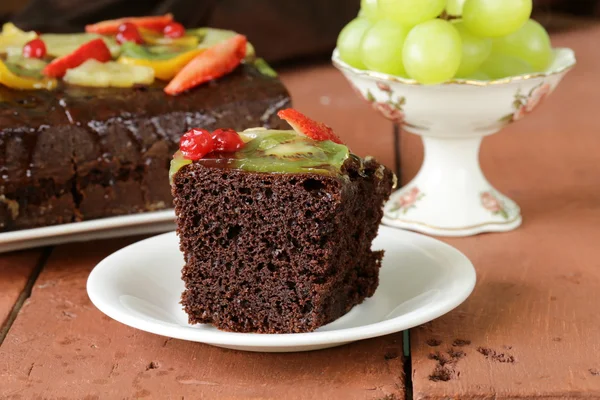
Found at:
[564, 60]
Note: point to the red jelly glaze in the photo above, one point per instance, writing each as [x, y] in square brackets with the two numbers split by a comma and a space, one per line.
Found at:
[35, 48]
[174, 30]
[128, 32]
[227, 140]
[196, 143]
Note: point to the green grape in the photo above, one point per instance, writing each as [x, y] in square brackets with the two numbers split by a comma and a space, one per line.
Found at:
[411, 12]
[475, 50]
[477, 76]
[369, 10]
[454, 7]
[381, 48]
[432, 52]
[348, 42]
[530, 43]
[495, 18]
[499, 66]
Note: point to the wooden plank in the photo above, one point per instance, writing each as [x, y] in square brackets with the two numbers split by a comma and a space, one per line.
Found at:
[15, 271]
[322, 93]
[81, 352]
[61, 346]
[531, 328]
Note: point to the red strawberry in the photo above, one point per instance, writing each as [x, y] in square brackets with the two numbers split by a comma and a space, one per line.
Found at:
[213, 63]
[306, 126]
[95, 49]
[111, 27]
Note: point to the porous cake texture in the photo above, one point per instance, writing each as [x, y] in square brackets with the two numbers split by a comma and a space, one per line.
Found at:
[278, 253]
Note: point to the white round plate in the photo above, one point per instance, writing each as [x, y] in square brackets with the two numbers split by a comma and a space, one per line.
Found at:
[421, 279]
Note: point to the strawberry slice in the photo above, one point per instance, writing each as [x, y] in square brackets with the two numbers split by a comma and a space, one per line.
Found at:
[95, 49]
[213, 63]
[308, 127]
[111, 26]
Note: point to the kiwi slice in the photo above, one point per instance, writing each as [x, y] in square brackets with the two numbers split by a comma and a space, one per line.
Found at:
[297, 151]
[275, 151]
[24, 66]
[288, 152]
[177, 163]
[61, 44]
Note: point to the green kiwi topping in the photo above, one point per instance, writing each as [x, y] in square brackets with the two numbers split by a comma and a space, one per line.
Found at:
[286, 152]
[275, 151]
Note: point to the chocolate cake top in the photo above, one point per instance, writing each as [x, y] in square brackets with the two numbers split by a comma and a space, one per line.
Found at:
[123, 53]
[311, 147]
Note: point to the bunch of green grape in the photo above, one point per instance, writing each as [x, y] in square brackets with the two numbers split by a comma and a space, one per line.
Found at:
[434, 41]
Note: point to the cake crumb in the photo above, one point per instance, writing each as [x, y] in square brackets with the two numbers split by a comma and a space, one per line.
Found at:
[461, 342]
[441, 374]
[446, 364]
[433, 342]
[494, 356]
[440, 358]
[152, 365]
[456, 354]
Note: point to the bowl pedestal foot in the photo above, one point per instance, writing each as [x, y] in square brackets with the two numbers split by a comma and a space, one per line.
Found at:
[450, 195]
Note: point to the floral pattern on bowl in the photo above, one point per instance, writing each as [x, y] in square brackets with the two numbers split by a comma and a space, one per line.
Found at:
[491, 203]
[407, 201]
[391, 108]
[525, 104]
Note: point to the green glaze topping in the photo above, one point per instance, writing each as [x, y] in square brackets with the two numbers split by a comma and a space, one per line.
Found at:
[276, 151]
[156, 52]
[264, 68]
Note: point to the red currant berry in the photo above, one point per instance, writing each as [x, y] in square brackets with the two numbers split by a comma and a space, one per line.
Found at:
[196, 143]
[35, 48]
[128, 32]
[227, 140]
[174, 30]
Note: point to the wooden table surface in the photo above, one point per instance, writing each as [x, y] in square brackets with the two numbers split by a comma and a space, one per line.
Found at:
[531, 329]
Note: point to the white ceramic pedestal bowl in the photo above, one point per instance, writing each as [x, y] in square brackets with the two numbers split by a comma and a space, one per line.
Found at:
[450, 195]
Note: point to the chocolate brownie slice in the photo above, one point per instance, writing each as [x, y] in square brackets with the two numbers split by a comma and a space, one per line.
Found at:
[278, 252]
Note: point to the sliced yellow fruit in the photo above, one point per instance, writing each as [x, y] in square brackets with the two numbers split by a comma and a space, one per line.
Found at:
[12, 39]
[11, 29]
[61, 44]
[14, 81]
[94, 73]
[163, 69]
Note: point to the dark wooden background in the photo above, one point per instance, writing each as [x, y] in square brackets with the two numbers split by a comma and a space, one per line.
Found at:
[281, 30]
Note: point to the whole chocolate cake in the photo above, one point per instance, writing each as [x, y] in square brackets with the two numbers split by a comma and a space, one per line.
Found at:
[276, 233]
[98, 141]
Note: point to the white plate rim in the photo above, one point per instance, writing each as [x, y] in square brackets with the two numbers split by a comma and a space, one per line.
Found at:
[345, 335]
[87, 226]
[102, 228]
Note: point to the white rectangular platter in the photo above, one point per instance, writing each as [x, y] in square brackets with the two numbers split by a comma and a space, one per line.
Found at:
[104, 228]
